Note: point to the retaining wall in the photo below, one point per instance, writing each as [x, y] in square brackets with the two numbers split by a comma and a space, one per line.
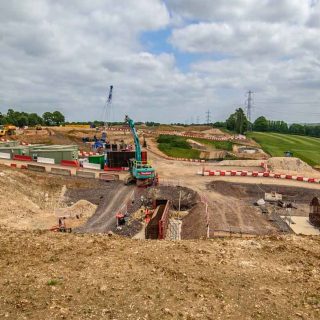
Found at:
[109, 177]
[63, 172]
[34, 167]
[85, 174]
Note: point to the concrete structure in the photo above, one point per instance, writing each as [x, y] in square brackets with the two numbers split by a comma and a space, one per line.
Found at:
[12, 151]
[301, 225]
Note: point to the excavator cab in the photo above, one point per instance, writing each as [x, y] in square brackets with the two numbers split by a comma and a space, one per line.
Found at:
[141, 172]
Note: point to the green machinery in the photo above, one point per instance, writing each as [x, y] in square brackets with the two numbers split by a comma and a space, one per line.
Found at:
[141, 172]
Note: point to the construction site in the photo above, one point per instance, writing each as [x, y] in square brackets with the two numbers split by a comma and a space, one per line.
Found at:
[104, 181]
[104, 192]
[159, 160]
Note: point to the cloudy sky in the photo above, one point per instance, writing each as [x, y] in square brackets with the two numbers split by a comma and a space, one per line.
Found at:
[169, 61]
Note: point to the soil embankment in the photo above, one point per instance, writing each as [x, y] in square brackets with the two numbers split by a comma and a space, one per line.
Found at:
[67, 276]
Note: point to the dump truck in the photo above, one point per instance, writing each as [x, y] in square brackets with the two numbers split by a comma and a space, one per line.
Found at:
[7, 130]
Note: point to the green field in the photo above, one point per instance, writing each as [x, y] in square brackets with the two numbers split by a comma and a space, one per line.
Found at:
[219, 145]
[177, 147]
[275, 144]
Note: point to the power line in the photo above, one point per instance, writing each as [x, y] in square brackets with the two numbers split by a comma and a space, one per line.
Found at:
[208, 116]
[288, 103]
[268, 110]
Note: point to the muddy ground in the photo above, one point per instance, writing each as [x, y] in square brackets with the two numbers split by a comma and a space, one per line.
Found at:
[104, 219]
[231, 210]
[253, 192]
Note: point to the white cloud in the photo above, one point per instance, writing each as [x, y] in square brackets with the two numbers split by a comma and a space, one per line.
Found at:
[296, 11]
[65, 54]
[246, 38]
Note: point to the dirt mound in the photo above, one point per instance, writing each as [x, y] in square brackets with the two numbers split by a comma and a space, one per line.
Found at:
[296, 165]
[196, 144]
[82, 208]
[29, 200]
[21, 206]
[68, 276]
[194, 224]
[214, 131]
[218, 154]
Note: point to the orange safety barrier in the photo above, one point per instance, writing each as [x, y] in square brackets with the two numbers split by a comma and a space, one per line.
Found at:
[22, 158]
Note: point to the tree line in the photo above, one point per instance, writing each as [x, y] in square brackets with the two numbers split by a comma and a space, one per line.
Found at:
[238, 122]
[262, 124]
[22, 119]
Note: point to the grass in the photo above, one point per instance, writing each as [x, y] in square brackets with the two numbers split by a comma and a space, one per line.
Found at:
[52, 282]
[305, 148]
[177, 147]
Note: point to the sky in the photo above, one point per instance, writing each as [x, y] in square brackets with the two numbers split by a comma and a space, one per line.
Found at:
[169, 61]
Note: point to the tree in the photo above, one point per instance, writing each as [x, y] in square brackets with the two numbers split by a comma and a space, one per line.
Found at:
[11, 117]
[22, 120]
[58, 118]
[231, 122]
[34, 119]
[241, 121]
[261, 124]
[237, 122]
[2, 118]
[48, 118]
[220, 124]
[296, 128]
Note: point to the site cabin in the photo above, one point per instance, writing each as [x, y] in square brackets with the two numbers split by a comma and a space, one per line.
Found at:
[314, 215]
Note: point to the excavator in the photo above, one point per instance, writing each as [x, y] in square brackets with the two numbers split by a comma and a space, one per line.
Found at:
[7, 130]
[141, 172]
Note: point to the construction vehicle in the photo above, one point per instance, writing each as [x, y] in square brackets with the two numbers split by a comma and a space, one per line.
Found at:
[141, 172]
[7, 130]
